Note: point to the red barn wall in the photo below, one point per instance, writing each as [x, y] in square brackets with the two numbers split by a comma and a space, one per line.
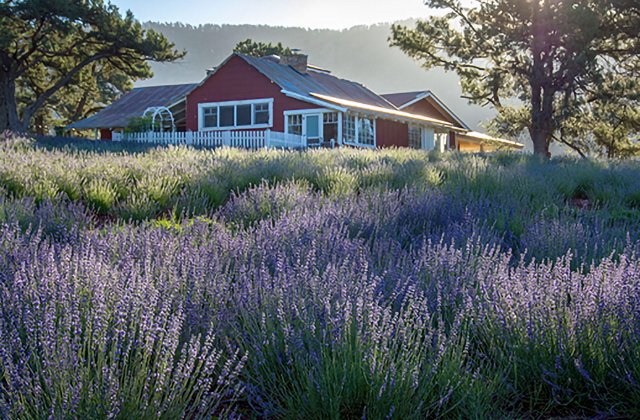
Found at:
[237, 81]
[106, 134]
[391, 133]
[426, 108]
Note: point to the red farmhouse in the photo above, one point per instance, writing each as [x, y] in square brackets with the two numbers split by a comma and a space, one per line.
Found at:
[286, 95]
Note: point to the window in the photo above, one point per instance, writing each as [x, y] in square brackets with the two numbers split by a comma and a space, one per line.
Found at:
[210, 116]
[366, 131]
[349, 129]
[330, 128]
[243, 115]
[415, 137]
[294, 124]
[227, 116]
[261, 113]
[236, 114]
[358, 130]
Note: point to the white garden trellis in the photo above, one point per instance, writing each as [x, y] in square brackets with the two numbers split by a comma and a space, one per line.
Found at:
[163, 114]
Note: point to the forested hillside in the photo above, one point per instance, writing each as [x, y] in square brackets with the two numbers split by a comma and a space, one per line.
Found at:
[360, 53]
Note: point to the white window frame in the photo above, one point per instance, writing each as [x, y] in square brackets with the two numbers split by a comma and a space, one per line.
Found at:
[202, 106]
[355, 129]
[357, 134]
[415, 130]
[286, 122]
[319, 111]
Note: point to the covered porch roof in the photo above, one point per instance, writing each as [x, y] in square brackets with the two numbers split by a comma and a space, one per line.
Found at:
[387, 113]
[481, 138]
[463, 134]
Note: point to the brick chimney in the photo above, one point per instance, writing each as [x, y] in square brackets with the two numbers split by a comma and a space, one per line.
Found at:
[297, 61]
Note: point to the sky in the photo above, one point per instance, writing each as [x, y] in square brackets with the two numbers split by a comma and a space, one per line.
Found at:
[315, 14]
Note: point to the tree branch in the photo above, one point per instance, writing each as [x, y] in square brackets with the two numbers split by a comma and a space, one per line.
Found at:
[39, 102]
[570, 145]
[35, 40]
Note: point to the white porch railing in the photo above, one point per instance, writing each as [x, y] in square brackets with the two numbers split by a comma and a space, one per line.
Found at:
[239, 139]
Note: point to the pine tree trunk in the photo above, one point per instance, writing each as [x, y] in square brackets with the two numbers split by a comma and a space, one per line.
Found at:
[542, 92]
[9, 120]
[541, 128]
[540, 142]
[39, 124]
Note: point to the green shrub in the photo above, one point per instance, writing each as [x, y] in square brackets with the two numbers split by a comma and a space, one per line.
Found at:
[100, 195]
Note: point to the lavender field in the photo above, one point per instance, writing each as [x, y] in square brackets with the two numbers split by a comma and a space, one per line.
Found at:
[184, 283]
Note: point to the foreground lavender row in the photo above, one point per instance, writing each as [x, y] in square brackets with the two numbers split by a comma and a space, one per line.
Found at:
[382, 305]
[345, 285]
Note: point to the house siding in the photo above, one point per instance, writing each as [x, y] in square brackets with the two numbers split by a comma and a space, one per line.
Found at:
[236, 81]
[391, 134]
[427, 109]
[106, 134]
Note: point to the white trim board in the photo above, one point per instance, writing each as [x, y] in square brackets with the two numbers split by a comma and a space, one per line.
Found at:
[309, 111]
[257, 101]
[357, 132]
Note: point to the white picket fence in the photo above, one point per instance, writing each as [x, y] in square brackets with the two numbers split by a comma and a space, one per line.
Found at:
[240, 139]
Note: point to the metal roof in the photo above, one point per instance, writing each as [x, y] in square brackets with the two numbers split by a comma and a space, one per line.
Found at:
[318, 82]
[133, 104]
[402, 98]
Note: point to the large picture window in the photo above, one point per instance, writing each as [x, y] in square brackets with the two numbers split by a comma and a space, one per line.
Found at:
[358, 130]
[366, 131]
[349, 129]
[243, 115]
[237, 114]
[227, 116]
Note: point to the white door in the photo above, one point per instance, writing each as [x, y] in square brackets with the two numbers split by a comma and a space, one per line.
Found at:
[312, 129]
[428, 139]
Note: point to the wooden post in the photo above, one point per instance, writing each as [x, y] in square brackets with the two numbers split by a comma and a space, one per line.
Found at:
[339, 129]
[226, 138]
[267, 138]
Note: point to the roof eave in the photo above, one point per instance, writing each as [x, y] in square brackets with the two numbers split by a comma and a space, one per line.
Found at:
[428, 94]
[418, 98]
[486, 139]
[391, 114]
[86, 124]
[313, 101]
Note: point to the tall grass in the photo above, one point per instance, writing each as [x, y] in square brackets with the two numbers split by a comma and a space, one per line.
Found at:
[145, 183]
[328, 284]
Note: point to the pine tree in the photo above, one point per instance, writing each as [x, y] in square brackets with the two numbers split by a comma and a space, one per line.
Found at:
[48, 47]
[551, 56]
[261, 49]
